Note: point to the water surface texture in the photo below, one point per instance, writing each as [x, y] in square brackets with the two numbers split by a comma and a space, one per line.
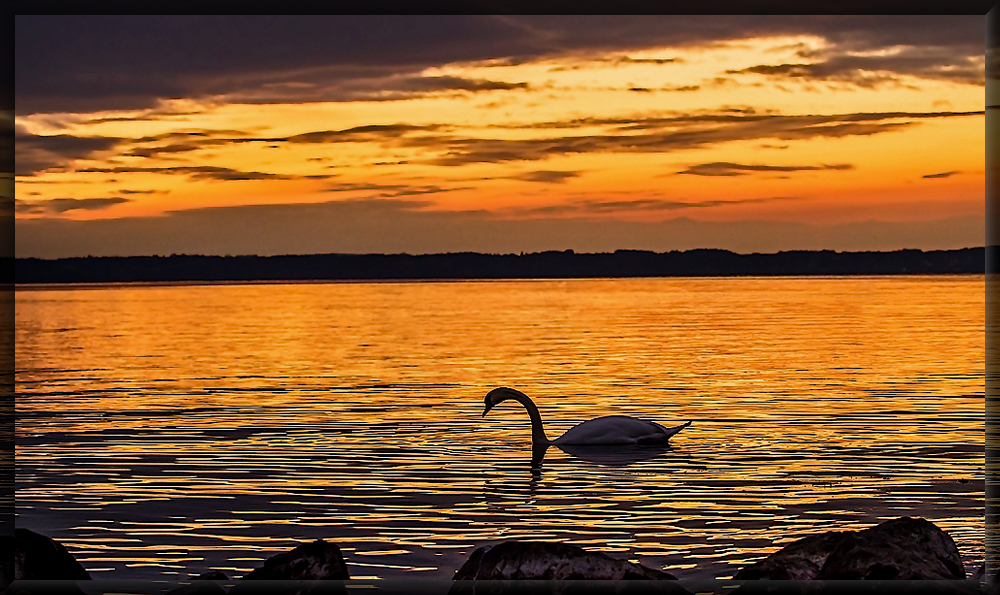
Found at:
[166, 430]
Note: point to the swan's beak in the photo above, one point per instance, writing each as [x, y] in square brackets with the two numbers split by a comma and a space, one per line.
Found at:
[487, 409]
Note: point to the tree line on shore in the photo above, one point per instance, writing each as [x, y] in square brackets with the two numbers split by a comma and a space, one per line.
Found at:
[470, 265]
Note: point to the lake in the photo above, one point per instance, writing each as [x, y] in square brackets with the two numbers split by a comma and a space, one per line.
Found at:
[163, 430]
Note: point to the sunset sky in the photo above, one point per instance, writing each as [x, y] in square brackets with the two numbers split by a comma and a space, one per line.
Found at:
[288, 135]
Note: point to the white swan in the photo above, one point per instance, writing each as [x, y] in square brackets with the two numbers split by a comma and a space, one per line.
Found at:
[611, 429]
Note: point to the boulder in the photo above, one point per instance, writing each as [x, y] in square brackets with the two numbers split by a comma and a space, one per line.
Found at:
[36, 557]
[798, 561]
[900, 549]
[534, 560]
[314, 561]
[211, 575]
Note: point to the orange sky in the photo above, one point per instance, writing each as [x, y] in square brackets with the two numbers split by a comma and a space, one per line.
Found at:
[757, 128]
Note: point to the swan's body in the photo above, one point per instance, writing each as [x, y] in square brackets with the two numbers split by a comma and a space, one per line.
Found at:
[611, 429]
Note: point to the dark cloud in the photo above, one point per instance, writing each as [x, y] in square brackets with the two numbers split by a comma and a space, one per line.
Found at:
[157, 151]
[615, 61]
[373, 132]
[36, 153]
[396, 226]
[87, 63]
[728, 115]
[453, 83]
[58, 206]
[589, 207]
[946, 174]
[547, 176]
[723, 168]
[206, 172]
[662, 135]
[389, 190]
[869, 71]
[627, 60]
[192, 135]
[144, 191]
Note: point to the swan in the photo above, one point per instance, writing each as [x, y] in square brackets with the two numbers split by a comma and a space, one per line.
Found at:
[610, 429]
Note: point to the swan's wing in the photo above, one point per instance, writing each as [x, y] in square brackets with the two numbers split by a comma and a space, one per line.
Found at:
[612, 429]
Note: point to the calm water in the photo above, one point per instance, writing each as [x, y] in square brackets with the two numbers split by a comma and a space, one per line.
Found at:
[166, 430]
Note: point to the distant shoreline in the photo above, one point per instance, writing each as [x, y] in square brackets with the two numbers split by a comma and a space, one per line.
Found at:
[476, 266]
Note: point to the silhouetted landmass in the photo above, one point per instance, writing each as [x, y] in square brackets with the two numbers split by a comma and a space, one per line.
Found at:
[470, 265]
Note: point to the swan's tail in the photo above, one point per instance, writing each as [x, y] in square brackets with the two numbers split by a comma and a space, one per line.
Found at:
[671, 431]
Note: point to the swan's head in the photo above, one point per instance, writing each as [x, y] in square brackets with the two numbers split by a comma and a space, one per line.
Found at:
[495, 396]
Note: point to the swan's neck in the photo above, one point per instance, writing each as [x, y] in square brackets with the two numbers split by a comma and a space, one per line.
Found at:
[537, 432]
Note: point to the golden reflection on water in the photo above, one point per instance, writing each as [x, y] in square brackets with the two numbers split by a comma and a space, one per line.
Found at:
[165, 430]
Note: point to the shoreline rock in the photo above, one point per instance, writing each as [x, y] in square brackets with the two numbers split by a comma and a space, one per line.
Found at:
[37, 557]
[316, 561]
[899, 549]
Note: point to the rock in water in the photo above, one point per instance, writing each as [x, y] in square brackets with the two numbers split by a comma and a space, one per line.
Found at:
[314, 561]
[798, 561]
[900, 549]
[532, 560]
[36, 557]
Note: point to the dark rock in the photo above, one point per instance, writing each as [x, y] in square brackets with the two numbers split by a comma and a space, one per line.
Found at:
[798, 561]
[36, 557]
[533, 560]
[900, 549]
[211, 575]
[314, 561]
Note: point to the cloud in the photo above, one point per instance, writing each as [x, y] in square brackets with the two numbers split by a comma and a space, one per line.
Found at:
[590, 62]
[35, 153]
[946, 174]
[207, 172]
[397, 226]
[722, 168]
[872, 70]
[590, 207]
[373, 132]
[144, 191]
[661, 135]
[58, 206]
[157, 151]
[389, 190]
[453, 83]
[105, 62]
[547, 176]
